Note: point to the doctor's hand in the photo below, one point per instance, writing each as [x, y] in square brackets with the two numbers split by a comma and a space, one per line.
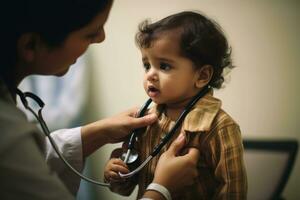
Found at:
[112, 130]
[175, 172]
[118, 127]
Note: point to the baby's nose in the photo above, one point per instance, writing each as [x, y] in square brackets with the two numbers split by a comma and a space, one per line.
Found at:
[152, 74]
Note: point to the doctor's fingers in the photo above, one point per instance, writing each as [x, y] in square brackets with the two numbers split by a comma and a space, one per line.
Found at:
[190, 176]
[192, 156]
[133, 112]
[177, 145]
[190, 172]
[142, 121]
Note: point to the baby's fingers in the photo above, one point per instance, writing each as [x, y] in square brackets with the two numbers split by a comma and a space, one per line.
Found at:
[118, 161]
[113, 168]
[120, 168]
[113, 177]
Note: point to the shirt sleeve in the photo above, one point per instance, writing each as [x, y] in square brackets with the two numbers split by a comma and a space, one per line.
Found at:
[70, 145]
[227, 154]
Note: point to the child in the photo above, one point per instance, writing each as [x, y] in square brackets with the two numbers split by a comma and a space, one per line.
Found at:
[182, 54]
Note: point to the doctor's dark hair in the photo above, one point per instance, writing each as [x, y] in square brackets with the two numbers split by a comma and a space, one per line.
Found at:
[201, 40]
[51, 20]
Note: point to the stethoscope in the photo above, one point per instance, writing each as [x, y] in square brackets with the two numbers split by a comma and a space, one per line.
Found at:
[46, 131]
[131, 155]
[128, 157]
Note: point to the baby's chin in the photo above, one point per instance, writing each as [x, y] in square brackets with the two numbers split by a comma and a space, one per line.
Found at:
[157, 101]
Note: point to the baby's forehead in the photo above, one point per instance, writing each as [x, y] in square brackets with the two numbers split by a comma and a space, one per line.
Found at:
[170, 38]
[164, 46]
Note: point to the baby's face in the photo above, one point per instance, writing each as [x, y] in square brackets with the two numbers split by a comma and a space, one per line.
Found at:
[169, 77]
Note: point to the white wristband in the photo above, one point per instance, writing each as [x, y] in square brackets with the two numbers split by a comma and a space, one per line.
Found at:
[161, 189]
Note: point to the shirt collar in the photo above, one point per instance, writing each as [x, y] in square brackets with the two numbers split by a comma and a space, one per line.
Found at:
[201, 117]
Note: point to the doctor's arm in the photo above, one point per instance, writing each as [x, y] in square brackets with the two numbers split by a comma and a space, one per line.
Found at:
[112, 130]
[78, 143]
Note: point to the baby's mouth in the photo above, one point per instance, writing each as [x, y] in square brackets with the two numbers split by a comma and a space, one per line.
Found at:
[152, 91]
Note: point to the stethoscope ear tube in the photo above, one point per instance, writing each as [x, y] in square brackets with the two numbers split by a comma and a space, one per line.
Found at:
[178, 122]
[46, 131]
[168, 136]
[139, 114]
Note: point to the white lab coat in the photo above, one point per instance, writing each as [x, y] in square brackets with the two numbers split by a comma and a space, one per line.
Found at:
[69, 143]
[65, 99]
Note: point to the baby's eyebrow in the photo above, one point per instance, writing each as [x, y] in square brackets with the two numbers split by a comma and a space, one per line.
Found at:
[166, 60]
[144, 59]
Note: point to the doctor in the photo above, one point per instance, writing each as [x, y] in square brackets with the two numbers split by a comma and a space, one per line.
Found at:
[46, 37]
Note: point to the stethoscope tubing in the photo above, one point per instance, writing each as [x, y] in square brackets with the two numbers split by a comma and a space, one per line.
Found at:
[46, 131]
[135, 132]
[166, 138]
[132, 140]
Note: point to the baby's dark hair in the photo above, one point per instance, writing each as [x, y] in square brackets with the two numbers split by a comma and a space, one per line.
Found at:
[202, 41]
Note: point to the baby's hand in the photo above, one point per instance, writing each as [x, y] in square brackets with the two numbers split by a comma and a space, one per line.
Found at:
[112, 169]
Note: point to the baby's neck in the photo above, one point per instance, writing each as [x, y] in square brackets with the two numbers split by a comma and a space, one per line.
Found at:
[174, 110]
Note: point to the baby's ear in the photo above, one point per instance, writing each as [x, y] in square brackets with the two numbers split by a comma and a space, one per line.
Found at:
[204, 76]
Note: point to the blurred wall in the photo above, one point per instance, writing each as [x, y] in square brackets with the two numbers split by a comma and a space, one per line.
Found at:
[261, 92]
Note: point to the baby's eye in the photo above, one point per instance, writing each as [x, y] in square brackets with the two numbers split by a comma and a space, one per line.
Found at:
[146, 66]
[165, 66]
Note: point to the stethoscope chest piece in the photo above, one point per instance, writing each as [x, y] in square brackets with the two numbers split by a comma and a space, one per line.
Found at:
[130, 157]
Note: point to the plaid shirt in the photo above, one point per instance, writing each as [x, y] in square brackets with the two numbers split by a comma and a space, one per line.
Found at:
[216, 135]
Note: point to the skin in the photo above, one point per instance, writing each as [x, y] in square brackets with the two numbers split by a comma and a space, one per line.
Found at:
[167, 169]
[35, 57]
[111, 130]
[173, 80]
[170, 78]
[176, 80]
